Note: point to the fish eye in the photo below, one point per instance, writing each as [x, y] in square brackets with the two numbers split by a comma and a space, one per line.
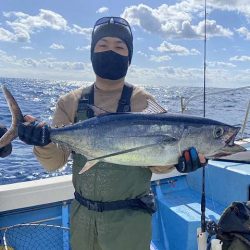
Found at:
[218, 132]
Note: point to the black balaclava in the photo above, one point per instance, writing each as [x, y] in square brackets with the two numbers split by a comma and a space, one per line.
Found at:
[109, 64]
[113, 30]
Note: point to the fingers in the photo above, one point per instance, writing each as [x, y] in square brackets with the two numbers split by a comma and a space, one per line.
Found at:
[29, 118]
[41, 124]
[202, 158]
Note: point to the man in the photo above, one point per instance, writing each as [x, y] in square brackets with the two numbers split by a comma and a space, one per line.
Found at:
[113, 205]
[5, 151]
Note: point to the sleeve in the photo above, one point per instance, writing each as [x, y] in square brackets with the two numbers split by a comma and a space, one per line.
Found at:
[51, 156]
[162, 169]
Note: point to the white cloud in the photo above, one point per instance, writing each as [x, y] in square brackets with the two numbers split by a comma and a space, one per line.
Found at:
[45, 19]
[83, 48]
[6, 35]
[220, 64]
[82, 31]
[213, 29]
[49, 63]
[179, 76]
[4, 57]
[243, 31]
[23, 25]
[159, 59]
[175, 49]
[239, 6]
[168, 76]
[240, 58]
[56, 46]
[102, 10]
[63, 65]
[173, 21]
[139, 52]
[27, 48]
[29, 62]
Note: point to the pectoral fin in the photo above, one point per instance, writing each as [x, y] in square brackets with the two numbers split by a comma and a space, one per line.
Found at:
[88, 165]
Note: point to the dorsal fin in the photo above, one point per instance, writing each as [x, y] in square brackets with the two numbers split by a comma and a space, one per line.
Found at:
[154, 107]
[97, 110]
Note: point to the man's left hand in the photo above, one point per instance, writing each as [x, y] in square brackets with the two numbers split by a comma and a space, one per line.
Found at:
[190, 161]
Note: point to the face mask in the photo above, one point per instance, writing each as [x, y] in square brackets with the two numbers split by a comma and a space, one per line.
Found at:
[110, 65]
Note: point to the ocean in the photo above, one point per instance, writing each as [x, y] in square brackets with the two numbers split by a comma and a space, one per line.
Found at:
[39, 97]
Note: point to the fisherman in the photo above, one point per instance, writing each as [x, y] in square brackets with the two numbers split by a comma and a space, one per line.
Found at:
[5, 151]
[113, 206]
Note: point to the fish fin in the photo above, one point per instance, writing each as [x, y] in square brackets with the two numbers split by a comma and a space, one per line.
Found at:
[154, 108]
[17, 118]
[97, 110]
[88, 165]
[8, 137]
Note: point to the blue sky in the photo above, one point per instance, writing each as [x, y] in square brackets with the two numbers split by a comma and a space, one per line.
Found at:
[47, 39]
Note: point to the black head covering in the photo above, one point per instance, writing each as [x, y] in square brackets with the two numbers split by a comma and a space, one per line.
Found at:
[113, 30]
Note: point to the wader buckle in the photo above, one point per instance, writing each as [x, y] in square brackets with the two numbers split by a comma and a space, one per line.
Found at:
[95, 206]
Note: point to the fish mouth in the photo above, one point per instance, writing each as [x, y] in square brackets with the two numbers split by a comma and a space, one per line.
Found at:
[230, 140]
[230, 146]
[229, 150]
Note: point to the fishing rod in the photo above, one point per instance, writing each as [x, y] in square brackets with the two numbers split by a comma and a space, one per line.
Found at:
[203, 196]
[201, 237]
[206, 226]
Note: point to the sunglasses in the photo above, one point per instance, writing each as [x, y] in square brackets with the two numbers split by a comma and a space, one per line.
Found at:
[116, 20]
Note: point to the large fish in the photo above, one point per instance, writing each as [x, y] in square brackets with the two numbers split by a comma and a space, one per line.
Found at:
[137, 139]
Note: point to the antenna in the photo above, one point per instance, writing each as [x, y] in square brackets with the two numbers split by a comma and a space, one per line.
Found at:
[205, 59]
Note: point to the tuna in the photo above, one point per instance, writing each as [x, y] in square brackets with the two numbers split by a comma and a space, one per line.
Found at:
[150, 138]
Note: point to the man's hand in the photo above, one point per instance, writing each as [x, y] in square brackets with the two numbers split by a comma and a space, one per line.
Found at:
[190, 161]
[5, 151]
[34, 133]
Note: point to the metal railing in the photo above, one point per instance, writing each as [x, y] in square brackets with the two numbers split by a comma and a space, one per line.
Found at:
[185, 103]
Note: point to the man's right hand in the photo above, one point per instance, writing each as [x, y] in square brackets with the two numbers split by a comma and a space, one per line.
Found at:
[34, 133]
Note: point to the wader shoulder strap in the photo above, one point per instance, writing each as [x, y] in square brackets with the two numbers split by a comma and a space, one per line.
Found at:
[83, 112]
[124, 102]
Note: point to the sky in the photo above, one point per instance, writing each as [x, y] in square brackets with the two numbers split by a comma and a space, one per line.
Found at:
[50, 40]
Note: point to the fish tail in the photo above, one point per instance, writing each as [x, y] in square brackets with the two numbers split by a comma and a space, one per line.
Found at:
[17, 118]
